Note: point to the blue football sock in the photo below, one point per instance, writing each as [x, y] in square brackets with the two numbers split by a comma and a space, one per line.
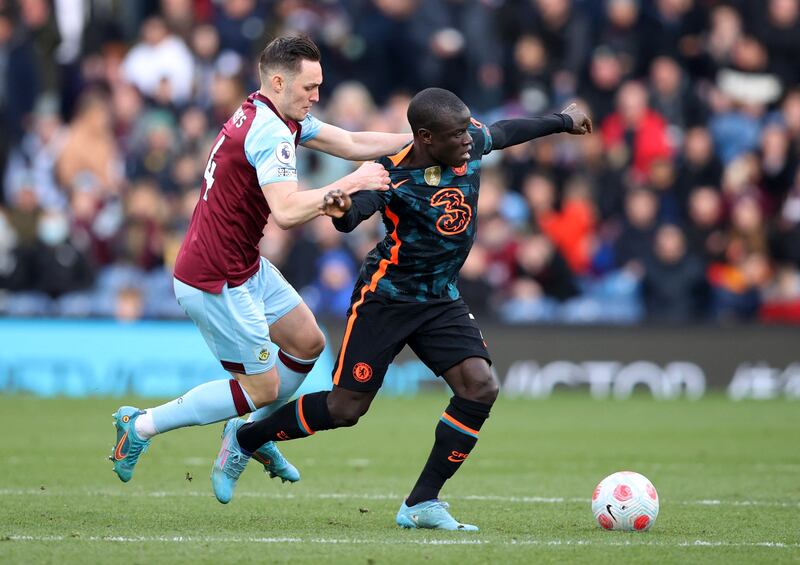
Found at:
[210, 402]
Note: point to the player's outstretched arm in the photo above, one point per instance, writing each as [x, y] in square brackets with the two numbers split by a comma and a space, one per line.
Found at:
[506, 133]
[357, 145]
[347, 212]
[290, 207]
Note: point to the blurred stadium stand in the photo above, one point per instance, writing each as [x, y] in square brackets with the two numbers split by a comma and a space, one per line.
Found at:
[103, 357]
[684, 206]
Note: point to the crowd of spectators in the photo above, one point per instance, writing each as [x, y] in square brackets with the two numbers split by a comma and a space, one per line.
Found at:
[684, 206]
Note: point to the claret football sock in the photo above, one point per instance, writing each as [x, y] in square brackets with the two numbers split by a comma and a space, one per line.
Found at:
[210, 402]
[456, 435]
[300, 418]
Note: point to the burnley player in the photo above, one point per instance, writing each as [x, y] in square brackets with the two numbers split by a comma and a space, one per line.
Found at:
[253, 321]
[407, 295]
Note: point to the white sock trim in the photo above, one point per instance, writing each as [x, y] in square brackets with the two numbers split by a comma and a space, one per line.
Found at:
[299, 360]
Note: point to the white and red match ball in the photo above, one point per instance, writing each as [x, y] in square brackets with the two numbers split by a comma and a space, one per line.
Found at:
[625, 501]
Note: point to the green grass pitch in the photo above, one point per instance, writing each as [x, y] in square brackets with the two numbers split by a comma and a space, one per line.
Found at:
[728, 476]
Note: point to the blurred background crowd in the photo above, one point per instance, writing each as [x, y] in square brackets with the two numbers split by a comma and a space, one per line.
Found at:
[684, 206]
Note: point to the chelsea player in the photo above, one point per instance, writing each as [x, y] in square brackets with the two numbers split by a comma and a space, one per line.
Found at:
[406, 294]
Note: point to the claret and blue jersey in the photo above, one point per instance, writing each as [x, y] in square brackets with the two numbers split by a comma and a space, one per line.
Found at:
[430, 215]
[255, 147]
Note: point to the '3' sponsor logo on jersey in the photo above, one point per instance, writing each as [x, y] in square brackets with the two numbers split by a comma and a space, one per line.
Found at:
[457, 213]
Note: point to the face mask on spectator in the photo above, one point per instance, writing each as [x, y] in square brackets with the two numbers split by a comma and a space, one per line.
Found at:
[53, 229]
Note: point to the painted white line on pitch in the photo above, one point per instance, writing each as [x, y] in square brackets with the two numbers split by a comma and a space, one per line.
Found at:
[211, 539]
[350, 541]
[377, 496]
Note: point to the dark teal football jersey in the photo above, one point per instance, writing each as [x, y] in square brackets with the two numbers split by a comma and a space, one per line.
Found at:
[430, 215]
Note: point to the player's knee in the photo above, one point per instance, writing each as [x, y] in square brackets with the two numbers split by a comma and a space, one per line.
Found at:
[310, 346]
[490, 390]
[261, 389]
[315, 345]
[482, 386]
[347, 415]
[268, 397]
[347, 421]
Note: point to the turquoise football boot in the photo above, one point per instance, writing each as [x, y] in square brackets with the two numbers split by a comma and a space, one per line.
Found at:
[275, 464]
[430, 514]
[129, 446]
[230, 462]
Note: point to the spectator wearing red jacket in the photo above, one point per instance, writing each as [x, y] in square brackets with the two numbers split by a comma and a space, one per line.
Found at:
[635, 132]
[571, 226]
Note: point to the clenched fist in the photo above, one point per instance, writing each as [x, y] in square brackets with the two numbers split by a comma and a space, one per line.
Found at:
[369, 176]
[335, 204]
[581, 123]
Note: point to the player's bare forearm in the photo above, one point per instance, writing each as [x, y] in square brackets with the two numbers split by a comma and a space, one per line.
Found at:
[373, 144]
[290, 207]
[357, 146]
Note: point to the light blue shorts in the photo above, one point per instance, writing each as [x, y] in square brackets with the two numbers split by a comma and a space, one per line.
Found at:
[235, 323]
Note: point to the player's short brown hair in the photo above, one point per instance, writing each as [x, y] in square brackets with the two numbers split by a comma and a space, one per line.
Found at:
[286, 53]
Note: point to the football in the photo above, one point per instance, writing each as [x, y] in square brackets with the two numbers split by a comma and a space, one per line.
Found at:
[625, 501]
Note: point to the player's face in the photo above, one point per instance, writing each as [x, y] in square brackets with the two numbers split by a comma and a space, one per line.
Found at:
[451, 143]
[302, 91]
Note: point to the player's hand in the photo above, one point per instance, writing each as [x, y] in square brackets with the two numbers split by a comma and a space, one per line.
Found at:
[369, 176]
[581, 123]
[335, 203]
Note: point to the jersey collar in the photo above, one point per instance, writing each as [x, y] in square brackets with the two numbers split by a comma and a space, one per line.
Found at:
[398, 157]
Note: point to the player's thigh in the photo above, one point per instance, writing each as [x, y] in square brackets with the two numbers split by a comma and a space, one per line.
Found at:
[292, 325]
[375, 333]
[297, 333]
[448, 336]
[233, 325]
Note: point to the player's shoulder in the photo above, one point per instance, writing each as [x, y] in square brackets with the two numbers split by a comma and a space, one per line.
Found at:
[482, 138]
[392, 162]
[266, 123]
[475, 124]
[478, 127]
[268, 134]
[398, 175]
